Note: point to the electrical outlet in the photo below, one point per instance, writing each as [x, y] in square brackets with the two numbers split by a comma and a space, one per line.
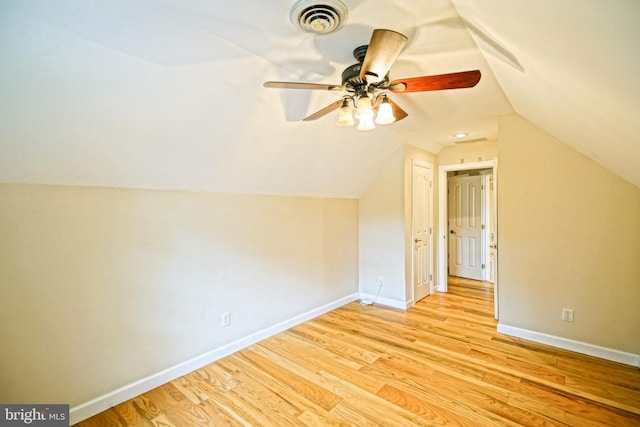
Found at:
[567, 314]
[225, 319]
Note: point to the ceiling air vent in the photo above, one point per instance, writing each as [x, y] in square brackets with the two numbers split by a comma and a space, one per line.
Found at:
[319, 16]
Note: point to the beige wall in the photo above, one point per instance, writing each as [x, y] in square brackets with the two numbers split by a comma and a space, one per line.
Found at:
[381, 231]
[385, 228]
[569, 236]
[101, 287]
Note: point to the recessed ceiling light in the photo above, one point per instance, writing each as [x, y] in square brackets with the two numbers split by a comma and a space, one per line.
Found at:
[461, 134]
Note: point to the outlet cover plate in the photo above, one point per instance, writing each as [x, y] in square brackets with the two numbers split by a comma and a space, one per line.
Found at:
[225, 319]
[567, 314]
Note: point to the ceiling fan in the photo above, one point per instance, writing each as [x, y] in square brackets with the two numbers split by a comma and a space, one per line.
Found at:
[367, 84]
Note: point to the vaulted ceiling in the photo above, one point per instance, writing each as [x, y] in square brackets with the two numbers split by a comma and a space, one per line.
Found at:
[168, 94]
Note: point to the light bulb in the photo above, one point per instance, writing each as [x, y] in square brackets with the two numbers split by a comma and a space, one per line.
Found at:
[366, 122]
[385, 113]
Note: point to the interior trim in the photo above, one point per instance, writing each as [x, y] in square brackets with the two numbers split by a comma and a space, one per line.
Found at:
[95, 406]
[568, 344]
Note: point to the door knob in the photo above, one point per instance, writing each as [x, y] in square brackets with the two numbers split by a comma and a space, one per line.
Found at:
[452, 232]
[493, 246]
[417, 240]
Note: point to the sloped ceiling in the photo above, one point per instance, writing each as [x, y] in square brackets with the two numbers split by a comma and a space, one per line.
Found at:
[570, 67]
[168, 94]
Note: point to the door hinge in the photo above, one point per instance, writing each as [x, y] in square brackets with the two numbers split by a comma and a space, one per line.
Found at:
[431, 277]
[430, 231]
[483, 266]
[482, 227]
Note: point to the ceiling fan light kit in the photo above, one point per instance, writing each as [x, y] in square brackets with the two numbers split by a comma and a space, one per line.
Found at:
[364, 111]
[319, 16]
[368, 85]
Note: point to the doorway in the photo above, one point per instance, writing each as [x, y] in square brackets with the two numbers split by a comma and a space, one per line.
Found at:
[490, 255]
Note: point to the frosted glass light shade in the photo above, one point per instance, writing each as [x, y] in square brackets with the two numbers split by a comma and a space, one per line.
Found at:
[364, 106]
[385, 113]
[345, 118]
[366, 122]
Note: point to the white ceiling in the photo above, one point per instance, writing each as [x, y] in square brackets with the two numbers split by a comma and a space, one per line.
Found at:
[168, 93]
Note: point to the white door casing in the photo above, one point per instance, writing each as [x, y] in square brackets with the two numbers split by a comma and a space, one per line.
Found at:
[465, 226]
[489, 221]
[422, 228]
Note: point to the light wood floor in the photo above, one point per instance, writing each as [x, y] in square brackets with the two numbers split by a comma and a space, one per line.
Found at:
[440, 363]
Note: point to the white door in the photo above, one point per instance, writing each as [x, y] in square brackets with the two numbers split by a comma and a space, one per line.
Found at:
[465, 226]
[422, 226]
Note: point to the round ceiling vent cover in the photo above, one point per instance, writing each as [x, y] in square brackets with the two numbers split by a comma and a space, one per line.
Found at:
[319, 16]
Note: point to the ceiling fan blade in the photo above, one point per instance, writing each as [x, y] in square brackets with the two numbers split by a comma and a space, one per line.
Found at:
[384, 48]
[398, 112]
[309, 86]
[326, 110]
[464, 79]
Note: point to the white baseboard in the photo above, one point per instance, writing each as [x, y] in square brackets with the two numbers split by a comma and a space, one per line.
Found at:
[387, 302]
[568, 344]
[115, 397]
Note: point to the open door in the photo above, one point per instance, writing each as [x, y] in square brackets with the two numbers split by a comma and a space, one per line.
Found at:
[465, 226]
[422, 228]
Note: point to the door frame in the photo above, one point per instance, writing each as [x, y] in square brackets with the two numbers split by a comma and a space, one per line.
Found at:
[443, 213]
[430, 212]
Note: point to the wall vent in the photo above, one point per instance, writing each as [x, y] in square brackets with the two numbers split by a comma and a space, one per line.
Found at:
[319, 16]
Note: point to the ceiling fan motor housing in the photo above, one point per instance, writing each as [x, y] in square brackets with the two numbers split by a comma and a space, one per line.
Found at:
[352, 81]
[351, 75]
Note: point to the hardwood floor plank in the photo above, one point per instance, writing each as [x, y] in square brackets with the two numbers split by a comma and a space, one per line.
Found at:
[260, 397]
[312, 419]
[177, 408]
[440, 363]
[457, 405]
[353, 376]
[418, 405]
[322, 397]
[138, 411]
[108, 418]
[448, 384]
[190, 389]
[383, 410]
[335, 345]
[162, 421]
